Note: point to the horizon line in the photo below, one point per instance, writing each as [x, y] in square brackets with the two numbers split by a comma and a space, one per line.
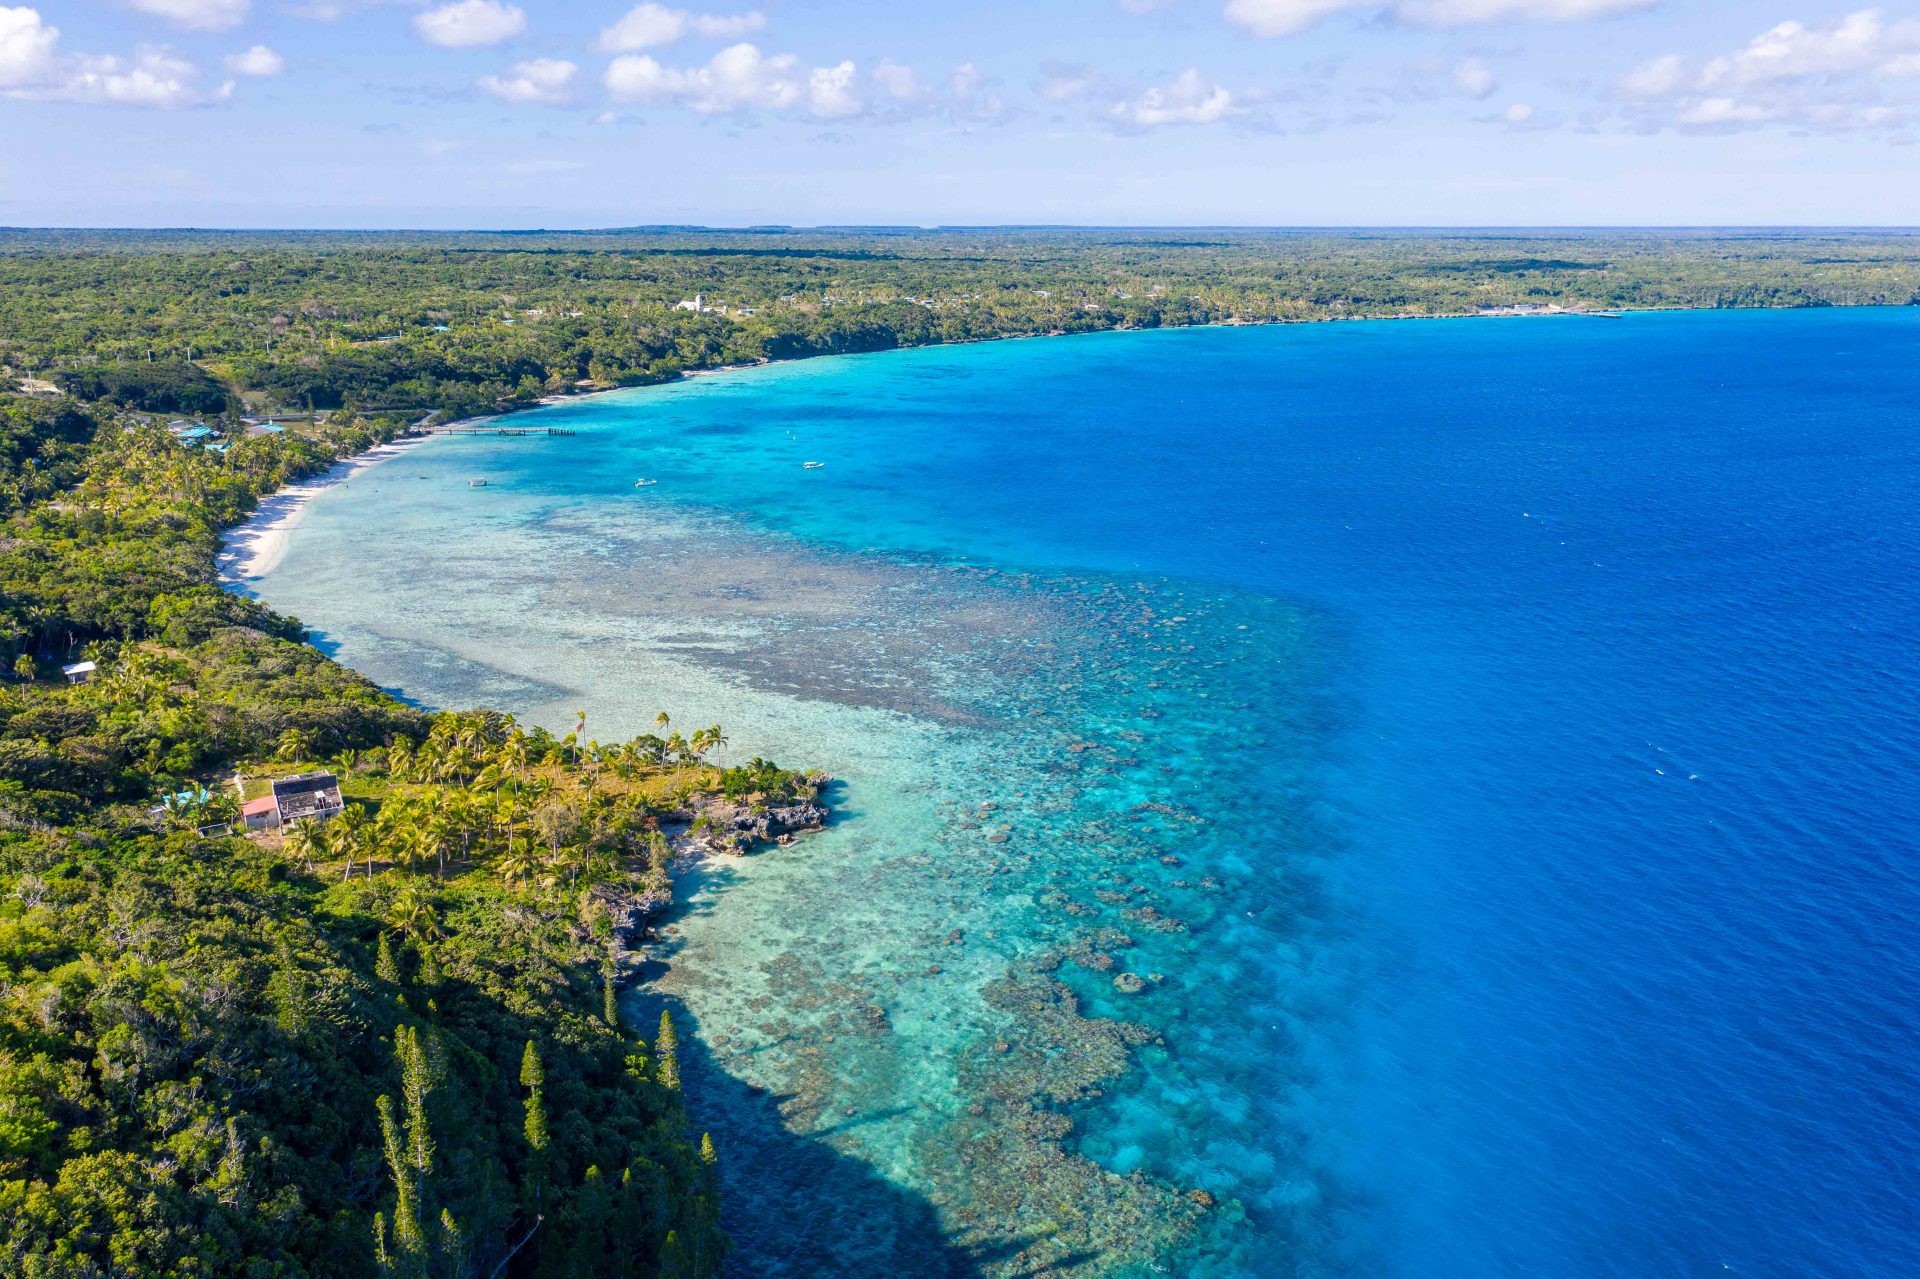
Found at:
[768, 228]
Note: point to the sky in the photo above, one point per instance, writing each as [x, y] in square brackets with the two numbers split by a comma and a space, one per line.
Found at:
[583, 113]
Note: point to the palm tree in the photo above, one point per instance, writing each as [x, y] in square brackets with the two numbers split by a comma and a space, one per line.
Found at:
[295, 744]
[505, 814]
[514, 753]
[706, 739]
[338, 842]
[435, 829]
[299, 842]
[519, 862]
[345, 835]
[456, 814]
[412, 912]
[396, 831]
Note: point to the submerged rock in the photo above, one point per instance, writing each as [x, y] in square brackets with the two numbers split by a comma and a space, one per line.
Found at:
[1129, 983]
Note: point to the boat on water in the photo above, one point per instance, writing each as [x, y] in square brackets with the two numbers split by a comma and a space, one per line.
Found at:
[812, 466]
[476, 484]
[640, 484]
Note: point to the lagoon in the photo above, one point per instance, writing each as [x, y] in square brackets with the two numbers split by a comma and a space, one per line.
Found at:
[1419, 799]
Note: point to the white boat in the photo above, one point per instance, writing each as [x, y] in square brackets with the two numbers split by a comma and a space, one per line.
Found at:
[812, 466]
[476, 484]
[640, 484]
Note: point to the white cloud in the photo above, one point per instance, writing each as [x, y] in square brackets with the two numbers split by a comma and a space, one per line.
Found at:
[1841, 115]
[1290, 17]
[831, 94]
[899, 83]
[651, 25]
[1189, 99]
[257, 61]
[27, 46]
[200, 15]
[742, 77]
[1713, 112]
[1822, 75]
[1656, 79]
[1519, 113]
[1474, 78]
[1793, 50]
[152, 78]
[466, 24]
[32, 66]
[737, 77]
[547, 80]
[333, 10]
[1462, 13]
[970, 96]
[1282, 17]
[1065, 86]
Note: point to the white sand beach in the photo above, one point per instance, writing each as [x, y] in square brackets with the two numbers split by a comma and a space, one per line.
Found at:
[252, 549]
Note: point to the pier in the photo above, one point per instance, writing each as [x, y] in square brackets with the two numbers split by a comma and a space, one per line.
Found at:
[493, 430]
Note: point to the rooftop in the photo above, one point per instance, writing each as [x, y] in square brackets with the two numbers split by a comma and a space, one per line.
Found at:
[307, 795]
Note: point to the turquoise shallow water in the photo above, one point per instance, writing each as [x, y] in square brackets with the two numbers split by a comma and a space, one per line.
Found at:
[1488, 744]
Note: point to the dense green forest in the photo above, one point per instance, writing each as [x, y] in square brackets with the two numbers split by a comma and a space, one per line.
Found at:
[389, 1044]
[471, 322]
[385, 1045]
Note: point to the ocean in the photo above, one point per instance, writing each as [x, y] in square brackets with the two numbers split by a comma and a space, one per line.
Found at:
[1394, 799]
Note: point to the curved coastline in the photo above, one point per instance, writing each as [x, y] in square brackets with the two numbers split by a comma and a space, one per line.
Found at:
[962, 985]
[254, 547]
[794, 969]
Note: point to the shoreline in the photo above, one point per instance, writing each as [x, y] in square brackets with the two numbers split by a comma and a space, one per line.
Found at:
[252, 548]
[560, 398]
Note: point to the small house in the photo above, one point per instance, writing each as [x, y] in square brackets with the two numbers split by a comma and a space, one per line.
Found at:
[261, 814]
[79, 672]
[307, 797]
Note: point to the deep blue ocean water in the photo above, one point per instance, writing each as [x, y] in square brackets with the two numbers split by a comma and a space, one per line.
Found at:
[1606, 758]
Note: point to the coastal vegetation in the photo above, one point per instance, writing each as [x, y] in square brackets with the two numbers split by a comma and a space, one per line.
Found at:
[391, 1043]
[462, 323]
[386, 1044]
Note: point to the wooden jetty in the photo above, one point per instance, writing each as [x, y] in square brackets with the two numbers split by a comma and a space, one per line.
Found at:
[494, 430]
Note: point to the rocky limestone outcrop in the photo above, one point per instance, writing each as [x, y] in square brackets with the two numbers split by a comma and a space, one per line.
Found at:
[725, 826]
[710, 826]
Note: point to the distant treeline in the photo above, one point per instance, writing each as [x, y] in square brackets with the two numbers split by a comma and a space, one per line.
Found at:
[466, 322]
